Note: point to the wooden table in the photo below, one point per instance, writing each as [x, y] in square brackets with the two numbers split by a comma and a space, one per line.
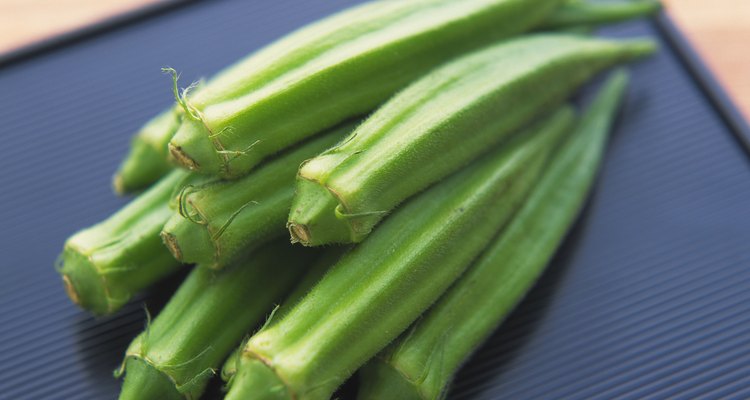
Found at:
[720, 30]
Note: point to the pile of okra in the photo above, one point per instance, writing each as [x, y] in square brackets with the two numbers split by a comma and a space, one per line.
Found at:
[367, 197]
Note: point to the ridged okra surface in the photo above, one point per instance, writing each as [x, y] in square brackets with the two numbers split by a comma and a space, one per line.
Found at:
[382, 285]
[182, 348]
[218, 221]
[105, 265]
[421, 363]
[336, 68]
[440, 123]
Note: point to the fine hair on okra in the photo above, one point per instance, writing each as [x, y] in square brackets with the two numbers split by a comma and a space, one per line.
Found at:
[334, 69]
[420, 364]
[218, 221]
[382, 285]
[103, 266]
[182, 348]
[440, 123]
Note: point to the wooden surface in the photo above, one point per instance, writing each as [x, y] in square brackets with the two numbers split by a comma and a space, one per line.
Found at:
[27, 21]
[719, 29]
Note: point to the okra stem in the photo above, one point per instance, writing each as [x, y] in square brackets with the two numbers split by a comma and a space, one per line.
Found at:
[105, 265]
[382, 285]
[218, 221]
[337, 68]
[421, 363]
[440, 123]
[204, 320]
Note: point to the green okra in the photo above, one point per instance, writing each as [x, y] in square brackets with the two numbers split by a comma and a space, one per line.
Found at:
[206, 318]
[105, 265]
[147, 160]
[334, 69]
[311, 277]
[148, 157]
[575, 13]
[421, 363]
[382, 285]
[440, 123]
[217, 221]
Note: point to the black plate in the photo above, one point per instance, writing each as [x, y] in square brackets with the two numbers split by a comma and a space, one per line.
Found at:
[649, 297]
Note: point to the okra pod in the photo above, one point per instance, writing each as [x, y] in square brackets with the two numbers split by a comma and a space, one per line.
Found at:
[206, 318]
[311, 277]
[337, 68]
[421, 363]
[219, 220]
[147, 160]
[575, 13]
[440, 123]
[105, 265]
[381, 286]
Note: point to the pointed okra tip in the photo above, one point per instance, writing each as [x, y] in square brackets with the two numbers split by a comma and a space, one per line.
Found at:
[638, 48]
[616, 82]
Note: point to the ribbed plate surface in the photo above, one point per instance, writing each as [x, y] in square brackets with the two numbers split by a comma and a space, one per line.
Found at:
[648, 298]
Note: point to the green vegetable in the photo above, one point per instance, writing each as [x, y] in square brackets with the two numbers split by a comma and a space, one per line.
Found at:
[576, 13]
[105, 265]
[337, 68]
[218, 221]
[382, 285]
[206, 318]
[148, 157]
[147, 160]
[438, 124]
[421, 363]
[310, 279]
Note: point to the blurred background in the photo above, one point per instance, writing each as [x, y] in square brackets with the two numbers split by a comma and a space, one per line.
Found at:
[719, 30]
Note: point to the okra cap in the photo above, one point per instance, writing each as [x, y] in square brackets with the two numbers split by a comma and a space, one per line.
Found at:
[191, 147]
[189, 242]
